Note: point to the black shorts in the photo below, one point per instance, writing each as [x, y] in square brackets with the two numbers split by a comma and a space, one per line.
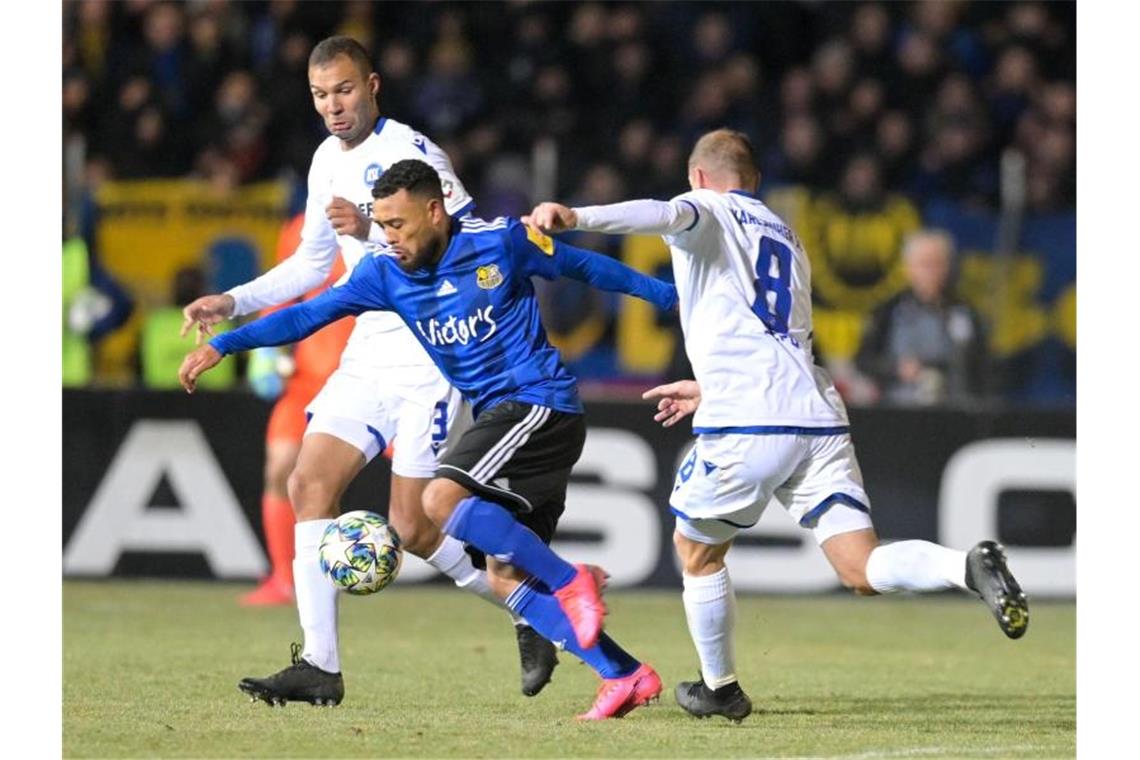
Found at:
[519, 456]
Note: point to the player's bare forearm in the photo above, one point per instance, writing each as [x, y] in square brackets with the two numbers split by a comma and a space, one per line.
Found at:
[675, 401]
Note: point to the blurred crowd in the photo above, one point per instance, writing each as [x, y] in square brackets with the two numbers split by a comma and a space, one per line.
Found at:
[921, 97]
[874, 107]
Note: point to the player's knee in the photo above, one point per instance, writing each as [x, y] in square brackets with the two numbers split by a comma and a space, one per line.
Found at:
[418, 535]
[438, 502]
[696, 559]
[312, 498]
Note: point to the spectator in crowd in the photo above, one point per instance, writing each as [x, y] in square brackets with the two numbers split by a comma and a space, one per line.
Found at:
[449, 95]
[872, 75]
[160, 348]
[871, 40]
[867, 114]
[853, 238]
[924, 346]
[895, 144]
[797, 158]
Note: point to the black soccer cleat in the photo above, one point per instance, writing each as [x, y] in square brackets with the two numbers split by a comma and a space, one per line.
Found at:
[988, 574]
[697, 699]
[300, 682]
[537, 659]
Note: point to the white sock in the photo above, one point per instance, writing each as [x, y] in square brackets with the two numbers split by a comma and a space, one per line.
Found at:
[710, 608]
[915, 566]
[451, 560]
[316, 597]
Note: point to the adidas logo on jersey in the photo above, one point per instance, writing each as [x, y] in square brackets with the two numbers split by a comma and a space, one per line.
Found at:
[446, 289]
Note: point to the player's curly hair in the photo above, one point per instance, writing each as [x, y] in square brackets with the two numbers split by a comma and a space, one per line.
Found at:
[411, 174]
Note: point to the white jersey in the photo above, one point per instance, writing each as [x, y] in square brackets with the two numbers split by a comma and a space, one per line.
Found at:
[380, 339]
[744, 285]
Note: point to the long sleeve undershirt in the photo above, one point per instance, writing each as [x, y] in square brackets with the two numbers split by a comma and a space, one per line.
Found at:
[293, 277]
[646, 217]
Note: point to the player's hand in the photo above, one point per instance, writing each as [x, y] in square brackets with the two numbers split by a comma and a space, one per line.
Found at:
[552, 217]
[205, 312]
[347, 218]
[675, 401]
[196, 362]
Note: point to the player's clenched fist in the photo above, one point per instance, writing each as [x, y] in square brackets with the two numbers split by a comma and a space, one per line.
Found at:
[552, 217]
[196, 362]
[205, 312]
[347, 219]
[676, 401]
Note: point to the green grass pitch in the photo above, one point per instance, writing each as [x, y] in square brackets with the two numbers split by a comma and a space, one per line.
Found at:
[150, 670]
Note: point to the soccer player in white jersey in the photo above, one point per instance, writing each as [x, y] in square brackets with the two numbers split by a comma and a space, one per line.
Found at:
[769, 422]
[385, 388]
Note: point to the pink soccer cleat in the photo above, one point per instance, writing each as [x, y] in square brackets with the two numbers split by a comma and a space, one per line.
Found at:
[618, 696]
[581, 600]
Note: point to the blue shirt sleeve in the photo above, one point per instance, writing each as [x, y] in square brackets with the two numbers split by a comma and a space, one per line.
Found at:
[537, 254]
[362, 292]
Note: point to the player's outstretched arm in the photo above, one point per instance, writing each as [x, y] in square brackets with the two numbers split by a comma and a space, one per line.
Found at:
[363, 292]
[289, 325]
[605, 273]
[540, 255]
[645, 217]
[675, 401]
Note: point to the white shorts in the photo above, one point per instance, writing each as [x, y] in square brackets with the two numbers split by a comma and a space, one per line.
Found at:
[414, 407]
[727, 480]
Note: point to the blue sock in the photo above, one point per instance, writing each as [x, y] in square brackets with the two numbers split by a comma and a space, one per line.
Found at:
[534, 601]
[491, 529]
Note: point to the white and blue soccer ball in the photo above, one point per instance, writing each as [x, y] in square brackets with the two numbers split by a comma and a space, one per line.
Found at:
[360, 552]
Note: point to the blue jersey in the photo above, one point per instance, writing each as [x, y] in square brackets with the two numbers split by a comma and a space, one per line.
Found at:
[474, 311]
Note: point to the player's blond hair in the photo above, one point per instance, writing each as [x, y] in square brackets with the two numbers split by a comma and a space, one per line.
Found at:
[726, 153]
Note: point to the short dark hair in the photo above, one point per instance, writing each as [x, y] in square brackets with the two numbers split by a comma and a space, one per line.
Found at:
[330, 47]
[411, 174]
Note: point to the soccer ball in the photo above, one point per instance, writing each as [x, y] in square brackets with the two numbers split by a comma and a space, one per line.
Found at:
[360, 552]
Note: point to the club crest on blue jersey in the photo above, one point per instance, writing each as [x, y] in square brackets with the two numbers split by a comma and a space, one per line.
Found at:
[489, 276]
[372, 173]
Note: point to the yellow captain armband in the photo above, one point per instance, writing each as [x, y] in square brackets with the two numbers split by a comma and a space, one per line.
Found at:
[541, 240]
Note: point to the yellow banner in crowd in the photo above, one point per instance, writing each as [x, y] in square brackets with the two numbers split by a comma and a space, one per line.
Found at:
[149, 229]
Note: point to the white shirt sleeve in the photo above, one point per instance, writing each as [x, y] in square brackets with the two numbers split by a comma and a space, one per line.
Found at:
[640, 217]
[307, 268]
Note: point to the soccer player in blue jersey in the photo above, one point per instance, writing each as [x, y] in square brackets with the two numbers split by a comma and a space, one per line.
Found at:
[463, 287]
